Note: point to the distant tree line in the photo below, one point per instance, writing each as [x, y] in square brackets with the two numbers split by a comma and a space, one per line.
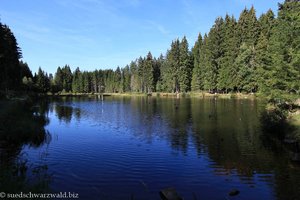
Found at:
[246, 55]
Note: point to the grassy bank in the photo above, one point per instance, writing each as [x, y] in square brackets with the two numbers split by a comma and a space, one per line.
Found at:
[294, 121]
[223, 96]
[188, 95]
[162, 94]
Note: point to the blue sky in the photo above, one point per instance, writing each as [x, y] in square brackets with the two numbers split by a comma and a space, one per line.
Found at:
[101, 34]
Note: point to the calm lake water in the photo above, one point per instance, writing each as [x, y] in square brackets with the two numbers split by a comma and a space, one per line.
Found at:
[133, 147]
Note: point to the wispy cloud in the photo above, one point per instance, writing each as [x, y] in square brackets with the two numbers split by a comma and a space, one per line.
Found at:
[157, 26]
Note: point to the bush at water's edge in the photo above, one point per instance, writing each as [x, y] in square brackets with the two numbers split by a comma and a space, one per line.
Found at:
[281, 120]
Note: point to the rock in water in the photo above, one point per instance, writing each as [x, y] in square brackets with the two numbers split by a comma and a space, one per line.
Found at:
[169, 194]
[234, 192]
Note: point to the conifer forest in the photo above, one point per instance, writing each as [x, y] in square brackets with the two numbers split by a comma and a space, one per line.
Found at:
[250, 54]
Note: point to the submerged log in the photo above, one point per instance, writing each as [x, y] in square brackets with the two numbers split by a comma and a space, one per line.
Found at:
[169, 194]
[234, 192]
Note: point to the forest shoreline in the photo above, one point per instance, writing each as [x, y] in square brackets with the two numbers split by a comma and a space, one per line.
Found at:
[168, 94]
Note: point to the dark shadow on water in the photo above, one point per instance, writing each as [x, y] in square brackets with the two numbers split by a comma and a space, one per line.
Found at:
[22, 123]
[275, 137]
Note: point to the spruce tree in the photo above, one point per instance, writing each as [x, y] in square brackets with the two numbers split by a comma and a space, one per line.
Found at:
[148, 73]
[76, 81]
[134, 79]
[247, 27]
[58, 79]
[185, 68]
[246, 65]
[266, 23]
[230, 52]
[67, 78]
[157, 71]
[126, 79]
[263, 54]
[215, 53]
[94, 81]
[42, 81]
[197, 82]
[172, 65]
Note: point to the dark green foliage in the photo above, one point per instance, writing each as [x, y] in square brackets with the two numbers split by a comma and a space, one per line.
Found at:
[24, 70]
[285, 49]
[267, 22]
[126, 79]
[197, 82]
[263, 55]
[170, 73]
[10, 53]
[63, 78]
[247, 27]
[156, 71]
[245, 69]
[176, 71]
[86, 84]
[75, 81]
[205, 61]
[148, 73]
[26, 76]
[145, 69]
[264, 64]
[215, 45]
[42, 81]
[134, 80]
[230, 51]
[185, 69]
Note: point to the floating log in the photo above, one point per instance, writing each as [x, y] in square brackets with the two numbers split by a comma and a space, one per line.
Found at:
[169, 194]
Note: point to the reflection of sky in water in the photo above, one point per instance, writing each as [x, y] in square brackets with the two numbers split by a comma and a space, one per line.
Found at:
[123, 147]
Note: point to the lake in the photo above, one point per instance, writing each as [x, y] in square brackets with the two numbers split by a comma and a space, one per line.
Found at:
[133, 147]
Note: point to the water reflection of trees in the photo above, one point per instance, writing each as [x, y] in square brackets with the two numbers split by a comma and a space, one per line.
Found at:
[64, 113]
[22, 123]
[177, 111]
[228, 131]
[64, 109]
